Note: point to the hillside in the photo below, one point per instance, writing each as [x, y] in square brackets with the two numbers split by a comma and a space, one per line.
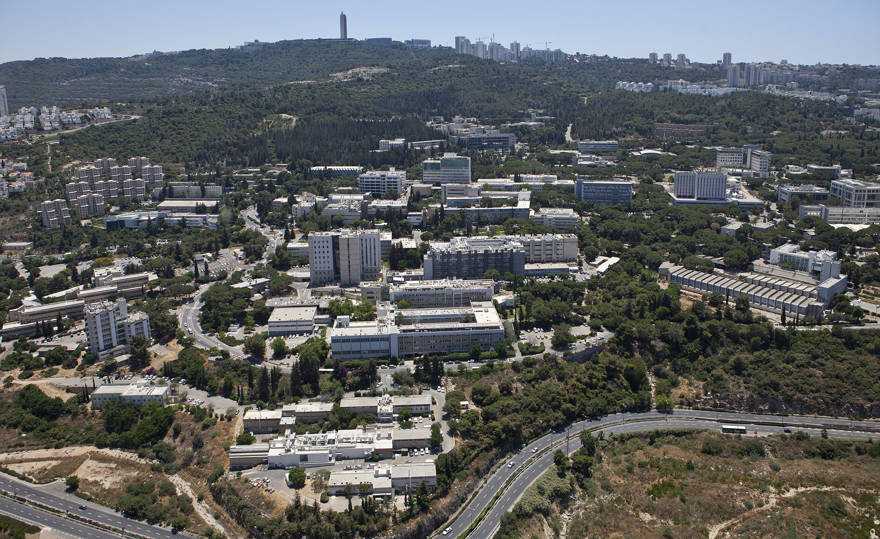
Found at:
[67, 81]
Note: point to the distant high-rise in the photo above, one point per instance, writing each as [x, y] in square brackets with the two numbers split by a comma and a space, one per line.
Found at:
[343, 26]
[667, 59]
[726, 60]
[681, 60]
[4, 107]
[652, 57]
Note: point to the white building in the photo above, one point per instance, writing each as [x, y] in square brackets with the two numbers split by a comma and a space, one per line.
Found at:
[598, 146]
[88, 205]
[701, 185]
[451, 168]
[292, 320]
[558, 218]
[823, 263]
[391, 144]
[110, 328]
[442, 293]
[138, 394]
[856, 193]
[346, 256]
[747, 158]
[379, 182]
[54, 213]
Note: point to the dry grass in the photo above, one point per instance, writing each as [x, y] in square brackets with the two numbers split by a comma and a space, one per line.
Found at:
[783, 493]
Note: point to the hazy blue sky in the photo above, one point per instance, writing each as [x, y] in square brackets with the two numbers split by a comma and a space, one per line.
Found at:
[802, 31]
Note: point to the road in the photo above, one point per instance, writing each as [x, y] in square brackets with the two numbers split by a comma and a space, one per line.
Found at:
[47, 519]
[189, 317]
[68, 525]
[530, 470]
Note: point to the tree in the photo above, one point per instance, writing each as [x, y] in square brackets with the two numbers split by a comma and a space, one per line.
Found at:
[664, 403]
[245, 438]
[139, 356]
[297, 478]
[736, 258]
[561, 461]
[279, 347]
[436, 436]
[72, 483]
[475, 351]
[255, 345]
[405, 414]
[263, 392]
[562, 336]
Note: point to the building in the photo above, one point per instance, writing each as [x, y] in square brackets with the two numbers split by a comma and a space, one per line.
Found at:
[598, 146]
[336, 171]
[726, 60]
[343, 26]
[4, 105]
[346, 256]
[416, 332]
[261, 421]
[292, 320]
[841, 215]
[701, 185]
[391, 144]
[652, 57]
[558, 218]
[110, 328]
[379, 182]
[823, 264]
[308, 412]
[451, 168]
[804, 192]
[472, 257]
[88, 205]
[54, 213]
[749, 158]
[796, 299]
[681, 131]
[418, 43]
[442, 293]
[189, 205]
[591, 160]
[489, 140]
[609, 192]
[138, 394]
[856, 193]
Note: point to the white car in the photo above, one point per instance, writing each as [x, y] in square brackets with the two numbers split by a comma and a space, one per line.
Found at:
[447, 531]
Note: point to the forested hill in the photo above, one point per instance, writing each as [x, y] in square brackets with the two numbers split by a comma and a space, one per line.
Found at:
[67, 81]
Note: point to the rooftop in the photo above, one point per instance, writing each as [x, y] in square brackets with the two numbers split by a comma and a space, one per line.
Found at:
[293, 314]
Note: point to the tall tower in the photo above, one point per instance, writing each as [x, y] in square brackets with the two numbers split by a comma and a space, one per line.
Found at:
[343, 26]
[726, 60]
[4, 106]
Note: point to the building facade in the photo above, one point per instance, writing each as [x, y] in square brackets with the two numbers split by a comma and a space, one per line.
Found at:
[598, 146]
[346, 256]
[451, 168]
[701, 185]
[856, 193]
[379, 182]
[604, 191]
[110, 328]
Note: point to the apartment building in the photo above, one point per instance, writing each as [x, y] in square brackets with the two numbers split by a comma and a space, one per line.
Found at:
[88, 205]
[609, 192]
[54, 213]
[379, 182]
[345, 256]
[451, 168]
[856, 193]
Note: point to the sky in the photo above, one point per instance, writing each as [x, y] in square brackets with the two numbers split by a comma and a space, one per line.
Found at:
[803, 31]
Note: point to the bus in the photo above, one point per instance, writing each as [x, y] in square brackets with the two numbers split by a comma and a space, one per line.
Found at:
[733, 429]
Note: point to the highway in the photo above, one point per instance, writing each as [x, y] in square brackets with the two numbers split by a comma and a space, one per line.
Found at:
[66, 525]
[542, 457]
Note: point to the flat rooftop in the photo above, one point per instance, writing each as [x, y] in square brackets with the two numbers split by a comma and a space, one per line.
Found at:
[299, 313]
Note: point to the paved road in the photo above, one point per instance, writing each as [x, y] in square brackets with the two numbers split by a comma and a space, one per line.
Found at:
[629, 422]
[189, 316]
[46, 519]
[113, 520]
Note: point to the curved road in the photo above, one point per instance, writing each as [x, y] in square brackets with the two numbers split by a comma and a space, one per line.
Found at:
[524, 471]
[68, 525]
[189, 316]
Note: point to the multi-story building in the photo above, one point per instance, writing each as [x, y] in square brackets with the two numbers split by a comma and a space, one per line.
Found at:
[379, 182]
[489, 140]
[856, 193]
[133, 188]
[652, 57]
[122, 173]
[598, 146]
[841, 215]
[604, 191]
[346, 256]
[415, 332]
[442, 293]
[803, 192]
[747, 158]
[391, 144]
[558, 218]
[54, 213]
[4, 105]
[336, 171]
[701, 185]
[110, 328]
[471, 258]
[823, 263]
[343, 26]
[88, 205]
[291, 320]
[138, 394]
[451, 168]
